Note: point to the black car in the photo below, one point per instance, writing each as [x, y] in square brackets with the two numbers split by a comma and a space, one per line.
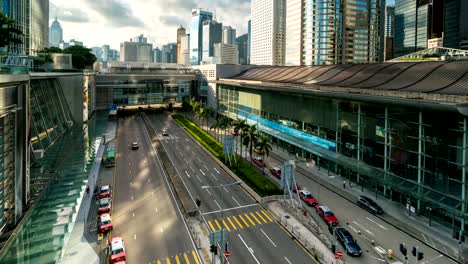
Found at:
[369, 205]
[348, 242]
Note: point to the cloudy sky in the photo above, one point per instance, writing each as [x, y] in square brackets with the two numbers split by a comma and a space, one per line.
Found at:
[99, 22]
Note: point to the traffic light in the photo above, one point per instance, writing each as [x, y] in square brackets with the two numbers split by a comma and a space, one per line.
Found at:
[333, 248]
[214, 249]
[413, 251]
[403, 250]
[420, 255]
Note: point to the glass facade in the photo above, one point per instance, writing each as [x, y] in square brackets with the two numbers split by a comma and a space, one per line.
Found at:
[196, 34]
[452, 35]
[399, 152]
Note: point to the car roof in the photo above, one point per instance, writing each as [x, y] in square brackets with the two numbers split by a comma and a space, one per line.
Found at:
[105, 187]
[325, 208]
[104, 200]
[135, 142]
[305, 191]
[343, 231]
[105, 217]
[116, 243]
[276, 168]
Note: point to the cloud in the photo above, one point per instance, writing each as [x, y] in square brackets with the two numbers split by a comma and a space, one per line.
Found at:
[172, 20]
[115, 13]
[68, 14]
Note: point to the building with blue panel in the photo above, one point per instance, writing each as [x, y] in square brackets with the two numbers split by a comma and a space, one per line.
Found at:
[196, 34]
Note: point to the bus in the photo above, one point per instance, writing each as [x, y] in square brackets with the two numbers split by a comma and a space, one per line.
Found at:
[109, 158]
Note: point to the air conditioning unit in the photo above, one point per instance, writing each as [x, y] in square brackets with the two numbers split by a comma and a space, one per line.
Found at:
[39, 153]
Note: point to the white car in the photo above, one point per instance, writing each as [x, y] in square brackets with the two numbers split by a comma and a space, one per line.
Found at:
[135, 145]
[164, 132]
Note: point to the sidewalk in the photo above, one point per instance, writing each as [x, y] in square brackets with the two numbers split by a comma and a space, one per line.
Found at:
[81, 246]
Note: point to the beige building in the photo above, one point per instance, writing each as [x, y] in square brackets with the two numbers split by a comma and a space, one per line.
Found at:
[225, 54]
[180, 33]
[136, 52]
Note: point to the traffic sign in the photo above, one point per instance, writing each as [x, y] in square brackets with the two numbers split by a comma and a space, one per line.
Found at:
[227, 254]
[339, 253]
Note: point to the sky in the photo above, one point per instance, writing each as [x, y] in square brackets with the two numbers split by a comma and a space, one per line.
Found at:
[100, 22]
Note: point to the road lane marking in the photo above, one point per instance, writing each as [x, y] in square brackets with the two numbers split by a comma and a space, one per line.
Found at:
[159, 262]
[250, 249]
[186, 139]
[380, 250]
[217, 224]
[202, 172]
[216, 170]
[130, 171]
[225, 189]
[199, 159]
[198, 177]
[206, 167]
[235, 201]
[214, 176]
[187, 261]
[208, 191]
[193, 153]
[211, 226]
[237, 221]
[363, 228]
[134, 236]
[287, 260]
[226, 225]
[233, 226]
[267, 216]
[250, 220]
[381, 226]
[156, 210]
[188, 175]
[230, 209]
[132, 197]
[191, 168]
[195, 257]
[177, 259]
[271, 241]
[218, 205]
[149, 180]
[133, 214]
[432, 259]
[261, 217]
[168, 260]
[245, 222]
[256, 219]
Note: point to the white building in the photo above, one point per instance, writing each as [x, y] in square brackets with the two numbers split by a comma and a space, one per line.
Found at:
[268, 32]
[229, 35]
[225, 54]
[185, 49]
[294, 32]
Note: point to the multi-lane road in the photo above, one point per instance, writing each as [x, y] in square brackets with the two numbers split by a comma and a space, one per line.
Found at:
[253, 236]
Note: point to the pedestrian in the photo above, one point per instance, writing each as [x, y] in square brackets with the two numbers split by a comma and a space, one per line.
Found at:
[344, 184]
[87, 190]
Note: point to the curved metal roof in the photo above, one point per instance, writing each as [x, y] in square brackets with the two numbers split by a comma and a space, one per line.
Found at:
[437, 77]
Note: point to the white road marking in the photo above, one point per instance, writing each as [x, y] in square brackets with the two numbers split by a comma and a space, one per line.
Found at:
[218, 205]
[156, 209]
[193, 153]
[271, 241]
[132, 197]
[208, 191]
[199, 178]
[216, 170]
[181, 153]
[133, 214]
[379, 259]
[166, 141]
[206, 167]
[191, 168]
[134, 236]
[380, 250]
[236, 201]
[129, 164]
[130, 172]
[149, 180]
[225, 189]
[432, 259]
[188, 175]
[202, 172]
[214, 176]
[363, 228]
[199, 159]
[250, 249]
[177, 140]
[287, 260]
[354, 229]
[381, 226]
[229, 209]
[186, 140]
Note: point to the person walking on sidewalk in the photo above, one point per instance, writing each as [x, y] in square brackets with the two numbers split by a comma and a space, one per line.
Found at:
[87, 190]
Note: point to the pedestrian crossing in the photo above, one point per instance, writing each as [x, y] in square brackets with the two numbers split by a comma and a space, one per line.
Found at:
[240, 221]
[183, 258]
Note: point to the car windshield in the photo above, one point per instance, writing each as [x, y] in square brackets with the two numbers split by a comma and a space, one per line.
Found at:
[348, 239]
[117, 251]
[328, 213]
[104, 202]
[308, 196]
[106, 222]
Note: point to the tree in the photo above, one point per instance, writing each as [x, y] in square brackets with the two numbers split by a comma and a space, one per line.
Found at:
[8, 33]
[216, 125]
[252, 137]
[239, 126]
[81, 56]
[264, 147]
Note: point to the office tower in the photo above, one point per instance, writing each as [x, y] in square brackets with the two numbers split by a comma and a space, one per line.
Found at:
[225, 54]
[389, 31]
[55, 33]
[185, 49]
[136, 50]
[157, 55]
[212, 33]
[249, 40]
[180, 33]
[336, 33]
[169, 53]
[74, 42]
[140, 39]
[268, 32]
[97, 51]
[114, 55]
[32, 18]
[105, 53]
[229, 35]
[64, 45]
[196, 34]
[242, 48]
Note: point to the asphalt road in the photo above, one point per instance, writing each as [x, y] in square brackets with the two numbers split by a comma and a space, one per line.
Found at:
[144, 211]
[252, 235]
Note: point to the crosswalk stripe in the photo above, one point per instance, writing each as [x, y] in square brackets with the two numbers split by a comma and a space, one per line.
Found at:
[226, 225]
[256, 219]
[237, 221]
[187, 261]
[159, 262]
[261, 217]
[245, 222]
[177, 259]
[250, 220]
[211, 226]
[267, 216]
[168, 260]
[233, 225]
[217, 223]
[195, 257]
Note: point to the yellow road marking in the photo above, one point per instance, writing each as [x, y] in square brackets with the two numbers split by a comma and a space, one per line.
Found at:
[159, 262]
[226, 225]
[256, 219]
[261, 217]
[177, 259]
[217, 223]
[187, 261]
[229, 220]
[195, 257]
[168, 260]
[250, 220]
[245, 222]
[211, 226]
[267, 216]
[237, 221]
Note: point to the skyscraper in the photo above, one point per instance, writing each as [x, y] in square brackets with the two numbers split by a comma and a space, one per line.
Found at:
[180, 33]
[196, 34]
[249, 40]
[140, 39]
[212, 33]
[137, 50]
[389, 31]
[157, 55]
[185, 49]
[225, 54]
[229, 35]
[169, 53]
[242, 48]
[336, 33]
[105, 53]
[55, 33]
[268, 32]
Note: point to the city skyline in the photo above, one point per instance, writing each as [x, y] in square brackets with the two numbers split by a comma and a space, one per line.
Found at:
[92, 20]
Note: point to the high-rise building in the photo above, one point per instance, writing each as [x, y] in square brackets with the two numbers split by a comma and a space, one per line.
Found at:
[229, 35]
[169, 53]
[268, 32]
[212, 33]
[140, 39]
[74, 42]
[55, 33]
[97, 51]
[157, 55]
[105, 53]
[32, 18]
[180, 33]
[114, 55]
[225, 54]
[389, 31]
[242, 48]
[336, 33]
[418, 23]
[185, 49]
[139, 51]
[249, 40]
[196, 34]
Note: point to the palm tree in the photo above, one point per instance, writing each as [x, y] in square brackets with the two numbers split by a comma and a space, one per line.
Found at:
[252, 137]
[264, 147]
[199, 113]
[239, 126]
[216, 126]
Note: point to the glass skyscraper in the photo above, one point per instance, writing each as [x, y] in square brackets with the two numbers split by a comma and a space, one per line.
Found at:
[55, 34]
[212, 33]
[196, 34]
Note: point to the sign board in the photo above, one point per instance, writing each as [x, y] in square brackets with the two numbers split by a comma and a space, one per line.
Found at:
[217, 237]
[287, 174]
[113, 107]
[228, 144]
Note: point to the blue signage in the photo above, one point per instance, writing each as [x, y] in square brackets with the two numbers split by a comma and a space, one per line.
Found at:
[113, 107]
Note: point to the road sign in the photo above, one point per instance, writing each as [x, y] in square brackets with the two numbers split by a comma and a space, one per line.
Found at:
[227, 254]
[339, 254]
[287, 175]
[217, 237]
